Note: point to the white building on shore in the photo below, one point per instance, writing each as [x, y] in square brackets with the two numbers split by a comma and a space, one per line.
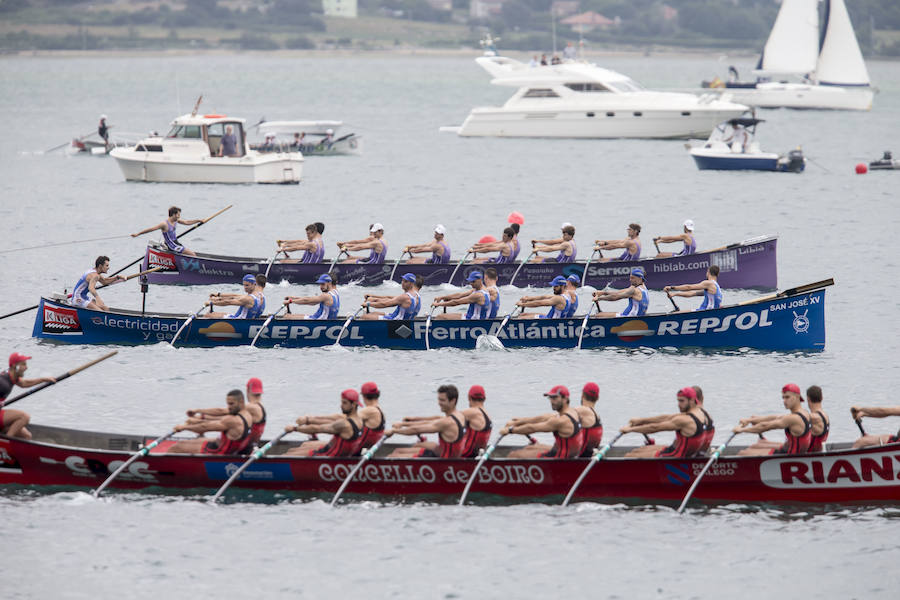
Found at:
[340, 8]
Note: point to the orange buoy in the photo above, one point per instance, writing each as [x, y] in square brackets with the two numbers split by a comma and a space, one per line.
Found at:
[515, 217]
[861, 169]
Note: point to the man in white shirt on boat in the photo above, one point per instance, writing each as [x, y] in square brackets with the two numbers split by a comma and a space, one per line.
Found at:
[440, 251]
[739, 139]
[686, 237]
[708, 288]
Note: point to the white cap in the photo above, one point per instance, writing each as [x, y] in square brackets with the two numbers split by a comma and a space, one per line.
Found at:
[376, 227]
[329, 131]
[564, 225]
[102, 117]
[440, 229]
[689, 225]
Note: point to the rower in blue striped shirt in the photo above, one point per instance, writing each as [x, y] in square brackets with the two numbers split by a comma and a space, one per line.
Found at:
[479, 300]
[709, 289]
[406, 305]
[636, 293]
[559, 302]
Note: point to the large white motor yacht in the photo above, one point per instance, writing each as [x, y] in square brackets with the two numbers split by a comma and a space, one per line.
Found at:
[582, 100]
[190, 153]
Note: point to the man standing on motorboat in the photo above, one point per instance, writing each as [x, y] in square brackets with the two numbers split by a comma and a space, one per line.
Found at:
[168, 230]
[631, 244]
[228, 144]
[686, 237]
[103, 130]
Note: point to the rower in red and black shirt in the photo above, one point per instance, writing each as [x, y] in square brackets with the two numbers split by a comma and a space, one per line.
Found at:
[451, 430]
[564, 424]
[796, 425]
[372, 417]
[13, 422]
[590, 421]
[688, 425]
[819, 421]
[253, 406]
[875, 412]
[478, 423]
[234, 428]
[345, 431]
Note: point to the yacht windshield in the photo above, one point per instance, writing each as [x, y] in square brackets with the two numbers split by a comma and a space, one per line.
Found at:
[626, 85]
[184, 131]
[540, 93]
[587, 87]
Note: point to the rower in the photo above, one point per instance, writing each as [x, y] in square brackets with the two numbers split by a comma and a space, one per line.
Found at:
[251, 304]
[708, 288]
[506, 248]
[479, 300]
[407, 304]
[688, 425]
[875, 412]
[686, 237]
[490, 284]
[564, 424]
[565, 245]
[796, 425]
[709, 429]
[515, 241]
[313, 246]
[559, 303]
[13, 422]
[440, 251]
[631, 244]
[451, 430]
[590, 421]
[345, 431]
[234, 428]
[820, 424]
[478, 423]
[375, 244]
[573, 282]
[328, 299]
[170, 238]
[373, 420]
[253, 406]
[637, 295]
[87, 284]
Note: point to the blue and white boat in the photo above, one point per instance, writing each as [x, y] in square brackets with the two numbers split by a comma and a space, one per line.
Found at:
[732, 146]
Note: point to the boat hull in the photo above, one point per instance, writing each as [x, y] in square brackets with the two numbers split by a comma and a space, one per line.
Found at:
[708, 160]
[802, 96]
[69, 458]
[791, 323]
[255, 168]
[750, 264]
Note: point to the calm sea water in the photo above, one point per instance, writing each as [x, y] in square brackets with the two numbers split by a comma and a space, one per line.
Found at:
[831, 222]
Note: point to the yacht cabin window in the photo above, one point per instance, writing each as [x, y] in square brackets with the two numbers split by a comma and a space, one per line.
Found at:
[626, 85]
[185, 131]
[540, 93]
[587, 87]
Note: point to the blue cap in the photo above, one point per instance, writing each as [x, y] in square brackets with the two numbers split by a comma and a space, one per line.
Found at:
[324, 278]
[638, 272]
[249, 278]
[473, 276]
[574, 278]
[558, 280]
[409, 277]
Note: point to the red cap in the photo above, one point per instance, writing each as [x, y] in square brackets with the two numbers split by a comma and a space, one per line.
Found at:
[16, 358]
[515, 217]
[792, 387]
[591, 390]
[476, 392]
[558, 390]
[369, 388]
[351, 395]
[688, 392]
[487, 239]
[254, 385]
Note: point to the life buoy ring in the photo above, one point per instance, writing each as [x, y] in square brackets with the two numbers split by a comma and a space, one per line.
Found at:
[213, 116]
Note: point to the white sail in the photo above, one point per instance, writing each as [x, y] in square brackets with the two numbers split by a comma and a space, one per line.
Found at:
[840, 61]
[792, 45]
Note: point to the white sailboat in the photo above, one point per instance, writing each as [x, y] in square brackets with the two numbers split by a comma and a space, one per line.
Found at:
[829, 72]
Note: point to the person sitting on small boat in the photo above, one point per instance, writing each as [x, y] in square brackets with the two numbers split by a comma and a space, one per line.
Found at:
[234, 427]
[376, 245]
[407, 304]
[559, 302]
[708, 288]
[796, 425]
[345, 430]
[875, 412]
[440, 251]
[565, 245]
[478, 423]
[170, 238]
[254, 408]
[103, 130]
[86, 286]
[631, 244]
[686, 238]
[13, 423]
[637, 295]
[490, 285]
[564, 424]
[451, 429]
[313, 246]
[479, 300]
[739, 139]
[506, 248]
[590, 420]
[251, 304]
[268, 144]
[689, 426]
[297, 143]
[228, 143]
[329, 138]
[329, 300]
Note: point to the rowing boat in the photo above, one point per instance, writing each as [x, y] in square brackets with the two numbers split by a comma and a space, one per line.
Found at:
[778, 322]
[750, 264]
[83, 459]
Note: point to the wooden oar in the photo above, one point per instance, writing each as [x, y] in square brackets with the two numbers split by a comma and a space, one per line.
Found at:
[65, 375]
[396, 264]
[272, 262]
[266, 324]
[187, 321]
[337, 342]
[458, 265]
[709, 463]
[142, 452]
[427, 327]
[366, 456]
[655, 243]
[585, 321]
[598, 455]
[522, 264]
[337, 258]
[586, 265]
[672, 300]
[253, 458]
[481, 460]
[791, 291]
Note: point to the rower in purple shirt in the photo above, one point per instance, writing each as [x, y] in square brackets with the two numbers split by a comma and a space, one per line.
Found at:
[440, 251]
[631, 244]
[506, 247]
[687, 238]
[375, 244]
[565, 245]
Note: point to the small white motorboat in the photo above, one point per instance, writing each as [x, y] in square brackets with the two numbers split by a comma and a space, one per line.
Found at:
[312, 138]
[732, 146]
[885, 163]
[193, 152]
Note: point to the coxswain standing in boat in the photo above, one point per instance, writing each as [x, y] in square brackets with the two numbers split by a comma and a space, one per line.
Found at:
[86, 286]
[478, 423]
[559, 302]
[875, 412]
[234, 427]
[254, 408]
[440, 251]
[103, 131]
[637, 295]
[13, 422]
[376, 245]
[564, 245]
[345, 430]
[687, 238]
[631, 244]
[451, 430]
[564, 424]
[313, 246]
[329, 300]
[479, 300]
[251, 304]
[689, 426]
[709, 289]
[407, 304]
[796, 425]
[506, 248]
[170, 238]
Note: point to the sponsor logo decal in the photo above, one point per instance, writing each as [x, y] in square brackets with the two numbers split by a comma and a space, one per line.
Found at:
[155, 258]
[220, 331]
[866, 470]
[58, 320]
[195, 266]
[304, 332]
[256, 472]
[632, 331]
[678, 474]
[423, 473]
[91, 467]
[801, 322]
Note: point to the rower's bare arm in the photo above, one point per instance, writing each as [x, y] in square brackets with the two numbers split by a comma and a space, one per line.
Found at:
[554, 423]
[669, 239]
[552, 241]
[386, 302]
[418, 419]
[190, 221]
[779, 422]
[453, 296]
[488, 247]
[27, 383]
[469, 298]
[648, 420]
[541, 301]
[671, 424]
[613, 244]
[205, 425]
[218, 411]
[320, 419]
[875, 412]
[335, 427]
[550, 247]
[526, 420]
[307, 299]
[160, 226]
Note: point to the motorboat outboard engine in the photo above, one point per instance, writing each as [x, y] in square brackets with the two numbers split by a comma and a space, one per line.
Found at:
[796, 162]
[885, 162]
